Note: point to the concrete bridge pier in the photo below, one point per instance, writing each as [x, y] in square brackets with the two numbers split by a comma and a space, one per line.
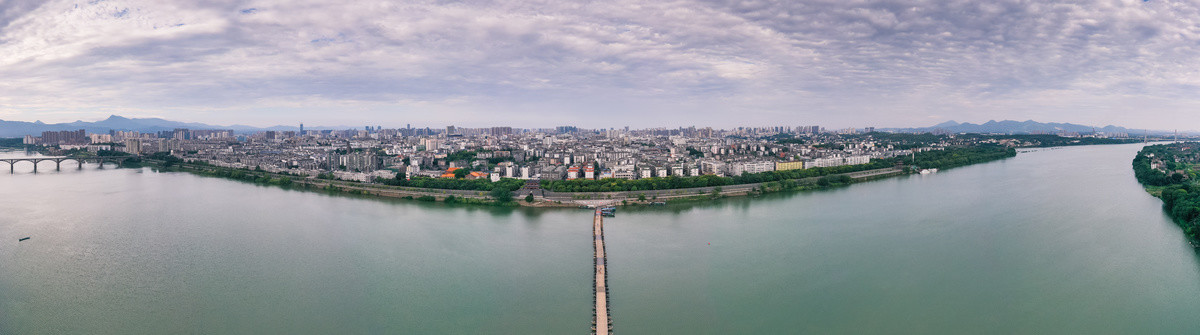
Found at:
[57, 165]
[35, 166]
[80, 163]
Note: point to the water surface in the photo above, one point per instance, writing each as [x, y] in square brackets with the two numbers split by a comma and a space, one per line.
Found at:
[1057, 241]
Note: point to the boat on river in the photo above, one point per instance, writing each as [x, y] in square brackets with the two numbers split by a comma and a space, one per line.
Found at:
[608, 211]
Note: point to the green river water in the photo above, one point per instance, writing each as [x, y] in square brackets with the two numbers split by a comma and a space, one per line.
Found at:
[1059, 241]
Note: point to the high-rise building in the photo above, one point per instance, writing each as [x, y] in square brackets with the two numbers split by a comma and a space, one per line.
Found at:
[133, 146]
[431, 144]
[360, 161]
[501, 131]
[100, 138]
[65, 137]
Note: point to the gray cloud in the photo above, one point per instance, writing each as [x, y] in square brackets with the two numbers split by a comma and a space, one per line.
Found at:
[602, 63]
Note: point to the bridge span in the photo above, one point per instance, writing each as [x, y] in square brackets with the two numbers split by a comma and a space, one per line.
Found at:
[601, 324]
[12, 162]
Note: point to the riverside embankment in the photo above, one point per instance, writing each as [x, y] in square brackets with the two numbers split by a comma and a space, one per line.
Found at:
[541, 197]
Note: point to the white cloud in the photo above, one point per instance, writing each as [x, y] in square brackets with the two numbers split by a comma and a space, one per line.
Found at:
[604, 63]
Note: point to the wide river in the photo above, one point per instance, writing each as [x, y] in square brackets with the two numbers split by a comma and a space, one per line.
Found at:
[1050, 242]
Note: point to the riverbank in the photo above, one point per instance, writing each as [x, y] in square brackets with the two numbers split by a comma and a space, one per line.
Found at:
[511, 196]
[540, 198]
[1169, 172]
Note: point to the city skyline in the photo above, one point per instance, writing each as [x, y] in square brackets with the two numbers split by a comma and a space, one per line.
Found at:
[644, 65]
[15, 128]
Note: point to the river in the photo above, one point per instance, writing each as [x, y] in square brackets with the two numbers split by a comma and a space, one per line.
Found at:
[1056, 241]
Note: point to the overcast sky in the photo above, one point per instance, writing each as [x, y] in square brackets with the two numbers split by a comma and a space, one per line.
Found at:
[838, 63]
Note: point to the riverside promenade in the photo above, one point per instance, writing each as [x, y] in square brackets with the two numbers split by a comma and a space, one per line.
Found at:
[600, 321]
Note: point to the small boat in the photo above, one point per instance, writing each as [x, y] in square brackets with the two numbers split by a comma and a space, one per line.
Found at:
[658, 203]
[928, 171]
[23, 239]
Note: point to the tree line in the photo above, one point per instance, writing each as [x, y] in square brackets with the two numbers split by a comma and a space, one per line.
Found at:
[509, 184]
[956, 157]
[1179, 191]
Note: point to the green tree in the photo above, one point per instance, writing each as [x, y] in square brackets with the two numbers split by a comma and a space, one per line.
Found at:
[461, 173]
[502, 195]
[529, 198]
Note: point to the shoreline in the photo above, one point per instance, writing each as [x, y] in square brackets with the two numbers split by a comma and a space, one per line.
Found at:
[1178, 196]
[559, 200]
[543, 198]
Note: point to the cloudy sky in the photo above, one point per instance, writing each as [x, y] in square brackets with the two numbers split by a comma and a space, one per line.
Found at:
[838, 63]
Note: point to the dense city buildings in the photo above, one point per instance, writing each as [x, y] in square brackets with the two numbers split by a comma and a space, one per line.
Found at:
[560, 153]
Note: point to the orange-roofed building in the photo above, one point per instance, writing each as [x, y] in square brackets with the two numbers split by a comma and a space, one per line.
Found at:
[449, 173]
[473, 175]
[573, 173]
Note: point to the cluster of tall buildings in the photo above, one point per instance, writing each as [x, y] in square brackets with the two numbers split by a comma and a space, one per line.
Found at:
[75, 137]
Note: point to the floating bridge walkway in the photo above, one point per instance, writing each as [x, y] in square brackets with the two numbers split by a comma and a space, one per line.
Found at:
[601, 324]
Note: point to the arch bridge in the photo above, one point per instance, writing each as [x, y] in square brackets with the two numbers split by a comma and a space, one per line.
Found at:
[12, 162]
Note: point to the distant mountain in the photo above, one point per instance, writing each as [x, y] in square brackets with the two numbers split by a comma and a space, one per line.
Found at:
[115, 122]
[149, 125]
[1019, 127]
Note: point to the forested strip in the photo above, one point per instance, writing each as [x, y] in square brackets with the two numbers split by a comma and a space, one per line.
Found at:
[455, 183]
[956, 157]
[1176, 179]
[15, 142]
